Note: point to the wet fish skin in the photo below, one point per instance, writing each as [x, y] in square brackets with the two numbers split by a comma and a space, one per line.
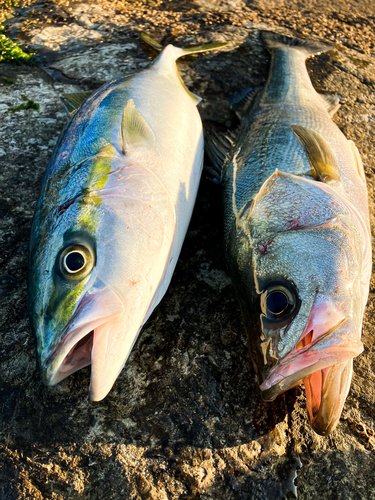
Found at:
[296, 235]
[112, 215]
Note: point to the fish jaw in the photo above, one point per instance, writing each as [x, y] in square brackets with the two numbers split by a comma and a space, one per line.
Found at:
[326, 392]
[112, 344]
[329, 338]
[322, 360]
[76, 348]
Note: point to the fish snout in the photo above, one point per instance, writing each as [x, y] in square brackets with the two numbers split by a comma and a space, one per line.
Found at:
[322, 360]
[75, 344]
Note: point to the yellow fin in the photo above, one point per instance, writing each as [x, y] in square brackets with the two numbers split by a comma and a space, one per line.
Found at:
[168, 56]
[135, 131]
[357, 160]
[180, 52]
[72, 102]
[319, 153]
[205, 47]
[150, 41]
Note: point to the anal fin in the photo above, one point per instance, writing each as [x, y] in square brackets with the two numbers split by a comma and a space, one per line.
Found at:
[319, 153]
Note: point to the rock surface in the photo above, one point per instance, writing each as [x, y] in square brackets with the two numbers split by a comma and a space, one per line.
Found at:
[184, 419]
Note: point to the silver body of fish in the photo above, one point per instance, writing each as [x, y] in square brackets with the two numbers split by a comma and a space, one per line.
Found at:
[297, 238]
[109, 225]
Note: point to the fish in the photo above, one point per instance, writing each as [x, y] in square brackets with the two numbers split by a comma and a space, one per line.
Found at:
[296, 232]
[112, 215]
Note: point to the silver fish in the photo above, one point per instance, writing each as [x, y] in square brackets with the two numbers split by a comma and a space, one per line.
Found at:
[113, 212]
[297, 238]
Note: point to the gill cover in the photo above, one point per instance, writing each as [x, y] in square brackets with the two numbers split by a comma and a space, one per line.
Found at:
[299, 294]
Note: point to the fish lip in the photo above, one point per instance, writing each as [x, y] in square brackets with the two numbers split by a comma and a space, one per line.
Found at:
[76, 330]
[271, 387]
[325, 401]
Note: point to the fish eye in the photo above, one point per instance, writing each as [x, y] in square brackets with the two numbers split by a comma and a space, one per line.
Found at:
[76, 261]
[277, 302]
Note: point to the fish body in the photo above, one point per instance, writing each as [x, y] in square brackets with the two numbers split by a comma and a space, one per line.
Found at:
[113, 212]
[297, 237]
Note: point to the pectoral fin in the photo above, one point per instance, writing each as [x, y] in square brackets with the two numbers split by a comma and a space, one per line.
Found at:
[319, 153]
[357, 160]
[72, 102]
[218, 147]
[332, 103]
[135, 131]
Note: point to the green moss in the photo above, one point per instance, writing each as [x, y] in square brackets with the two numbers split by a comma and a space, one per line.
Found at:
[11, 51]
[29, 104]
[7, 81]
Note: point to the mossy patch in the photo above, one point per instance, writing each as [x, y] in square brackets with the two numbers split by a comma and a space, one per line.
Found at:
[29, 104]
[7, 81]
[11, 51]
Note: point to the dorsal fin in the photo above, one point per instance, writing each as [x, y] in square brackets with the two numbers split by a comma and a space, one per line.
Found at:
[319, 153]
[135, 131]
[240, 101]
[332, 103]
[72, 102]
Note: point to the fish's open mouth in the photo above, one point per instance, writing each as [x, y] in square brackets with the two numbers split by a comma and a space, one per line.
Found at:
[324, 364]
[310, 356]
[78, 357]
[87, 339]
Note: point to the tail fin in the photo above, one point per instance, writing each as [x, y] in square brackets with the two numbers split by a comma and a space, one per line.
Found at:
[150, 41]
[206, 47]
[166, 60]
[182, 52]
[309, 47]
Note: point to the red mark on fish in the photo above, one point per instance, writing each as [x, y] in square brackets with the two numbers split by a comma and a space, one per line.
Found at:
[65, 206]
[263, 248]
[295, 223]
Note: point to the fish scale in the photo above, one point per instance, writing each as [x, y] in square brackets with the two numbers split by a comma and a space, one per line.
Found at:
[296, 235]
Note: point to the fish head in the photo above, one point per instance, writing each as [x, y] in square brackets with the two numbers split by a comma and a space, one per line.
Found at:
[96, 259]
[299, 274]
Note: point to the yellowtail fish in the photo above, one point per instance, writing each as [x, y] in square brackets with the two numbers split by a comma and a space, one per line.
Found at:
[112, 215]
[296, 230]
